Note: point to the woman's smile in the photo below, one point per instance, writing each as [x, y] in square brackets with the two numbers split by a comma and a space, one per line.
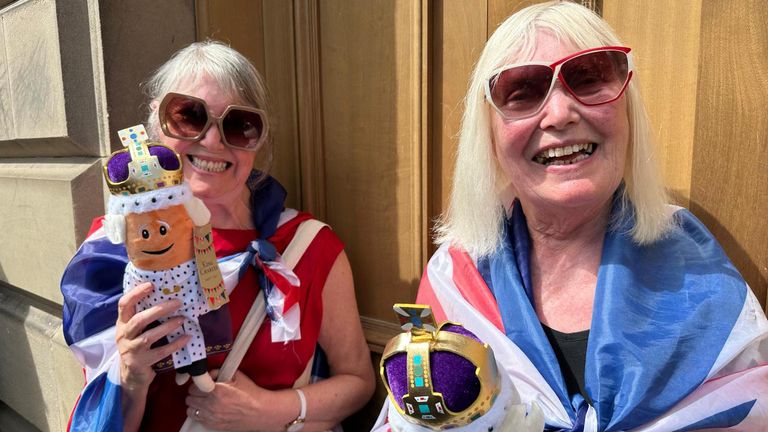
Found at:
[208, 165]
[565, 155]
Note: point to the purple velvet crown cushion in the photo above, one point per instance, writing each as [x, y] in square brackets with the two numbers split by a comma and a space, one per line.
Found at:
[452, 375]
[117, 165]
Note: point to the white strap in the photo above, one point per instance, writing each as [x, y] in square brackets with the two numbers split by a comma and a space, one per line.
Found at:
[244, 338]
[305, 233]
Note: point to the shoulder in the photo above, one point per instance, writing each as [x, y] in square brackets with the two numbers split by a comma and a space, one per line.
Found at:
[691, 255]
[691, 239]
[292, 222]
[449, 258]
[320, 243]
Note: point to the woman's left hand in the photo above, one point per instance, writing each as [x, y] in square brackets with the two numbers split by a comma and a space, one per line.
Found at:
[239, 404]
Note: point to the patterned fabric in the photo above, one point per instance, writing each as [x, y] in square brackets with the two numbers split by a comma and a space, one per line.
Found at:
[678, 342]
[180, 283]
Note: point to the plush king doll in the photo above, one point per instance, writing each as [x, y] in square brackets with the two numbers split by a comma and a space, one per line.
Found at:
[441, 377]
[167, 237]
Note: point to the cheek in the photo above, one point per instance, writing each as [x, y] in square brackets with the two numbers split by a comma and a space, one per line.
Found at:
[509, 140]
[615, 122]
[245, 162]
[178, 146]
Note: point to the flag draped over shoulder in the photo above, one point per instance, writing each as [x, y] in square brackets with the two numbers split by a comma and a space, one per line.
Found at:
[92, 285]
[678, 342]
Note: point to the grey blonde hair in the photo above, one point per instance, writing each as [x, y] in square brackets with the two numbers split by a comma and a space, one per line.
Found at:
[232, 71]
[476, 211]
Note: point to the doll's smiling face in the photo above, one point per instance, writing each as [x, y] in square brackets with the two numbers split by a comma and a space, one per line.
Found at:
[159, 239]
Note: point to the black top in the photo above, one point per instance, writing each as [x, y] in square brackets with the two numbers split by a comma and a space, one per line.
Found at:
[571, 352]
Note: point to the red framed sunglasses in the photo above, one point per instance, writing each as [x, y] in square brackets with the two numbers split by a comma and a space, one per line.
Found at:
[188, 118]
[595, 76]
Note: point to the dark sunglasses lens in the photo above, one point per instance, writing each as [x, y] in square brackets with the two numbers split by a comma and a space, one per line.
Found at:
[596, 77]
[243, 128]
[520, 91]
[184, 117]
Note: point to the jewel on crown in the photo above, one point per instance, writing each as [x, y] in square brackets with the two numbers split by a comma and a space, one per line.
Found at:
[141, 166]
[438, 377]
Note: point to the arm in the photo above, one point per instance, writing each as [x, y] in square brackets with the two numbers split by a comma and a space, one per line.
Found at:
[243, 405]
[136, 357]
[352, 380]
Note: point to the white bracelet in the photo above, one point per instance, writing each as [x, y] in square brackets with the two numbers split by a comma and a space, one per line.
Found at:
[298, 424]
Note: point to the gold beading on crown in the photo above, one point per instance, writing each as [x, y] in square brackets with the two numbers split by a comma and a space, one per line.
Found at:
[144, 171]
[424, 406]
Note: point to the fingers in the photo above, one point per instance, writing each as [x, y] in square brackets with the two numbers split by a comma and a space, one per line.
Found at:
[194, 392]
[139, 321]
[159, 353]
[126, 307]
[155, 334]
[196, 413]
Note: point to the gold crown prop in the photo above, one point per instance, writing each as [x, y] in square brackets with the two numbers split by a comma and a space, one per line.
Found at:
[144, 171]
[424, 406]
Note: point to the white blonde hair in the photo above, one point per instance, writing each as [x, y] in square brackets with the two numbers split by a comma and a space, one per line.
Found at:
[476, 211]
[232, 71]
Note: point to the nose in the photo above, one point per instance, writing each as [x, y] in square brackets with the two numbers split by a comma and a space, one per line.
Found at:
[560, 109]
[212, 140]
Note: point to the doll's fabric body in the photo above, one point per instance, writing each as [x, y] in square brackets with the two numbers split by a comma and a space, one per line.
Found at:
[177, 283]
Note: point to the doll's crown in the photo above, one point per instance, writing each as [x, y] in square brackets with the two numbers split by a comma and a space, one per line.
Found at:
[141, 166]
[438, 377]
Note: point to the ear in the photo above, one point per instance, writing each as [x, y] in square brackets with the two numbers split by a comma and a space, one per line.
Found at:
[197, 211]
[114, 226]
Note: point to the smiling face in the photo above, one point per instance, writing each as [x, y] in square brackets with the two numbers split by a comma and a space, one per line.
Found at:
[216, 173]
[159, 239]
[567, 156]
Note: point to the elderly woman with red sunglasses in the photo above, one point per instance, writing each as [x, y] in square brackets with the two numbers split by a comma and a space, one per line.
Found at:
[606, 307]
[209, 104]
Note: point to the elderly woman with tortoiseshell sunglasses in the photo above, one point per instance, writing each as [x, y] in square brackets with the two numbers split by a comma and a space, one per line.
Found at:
[208, 103]
[608, 308]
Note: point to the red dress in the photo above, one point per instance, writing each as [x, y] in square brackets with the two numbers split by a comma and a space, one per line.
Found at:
[270, 365]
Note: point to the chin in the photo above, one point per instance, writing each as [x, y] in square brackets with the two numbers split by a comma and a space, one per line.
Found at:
[579, 195]
[204, 191]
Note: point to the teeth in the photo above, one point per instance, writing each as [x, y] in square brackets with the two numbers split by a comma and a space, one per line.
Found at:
[208, 165]
[545, 155]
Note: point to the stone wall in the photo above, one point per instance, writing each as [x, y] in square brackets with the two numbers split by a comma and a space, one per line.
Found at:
[69, 79]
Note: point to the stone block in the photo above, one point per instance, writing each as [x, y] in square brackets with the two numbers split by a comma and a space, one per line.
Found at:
[40, 379]
[10, 420]
[51, 107]
[48, 206]
[6, 122]
[34, 70]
